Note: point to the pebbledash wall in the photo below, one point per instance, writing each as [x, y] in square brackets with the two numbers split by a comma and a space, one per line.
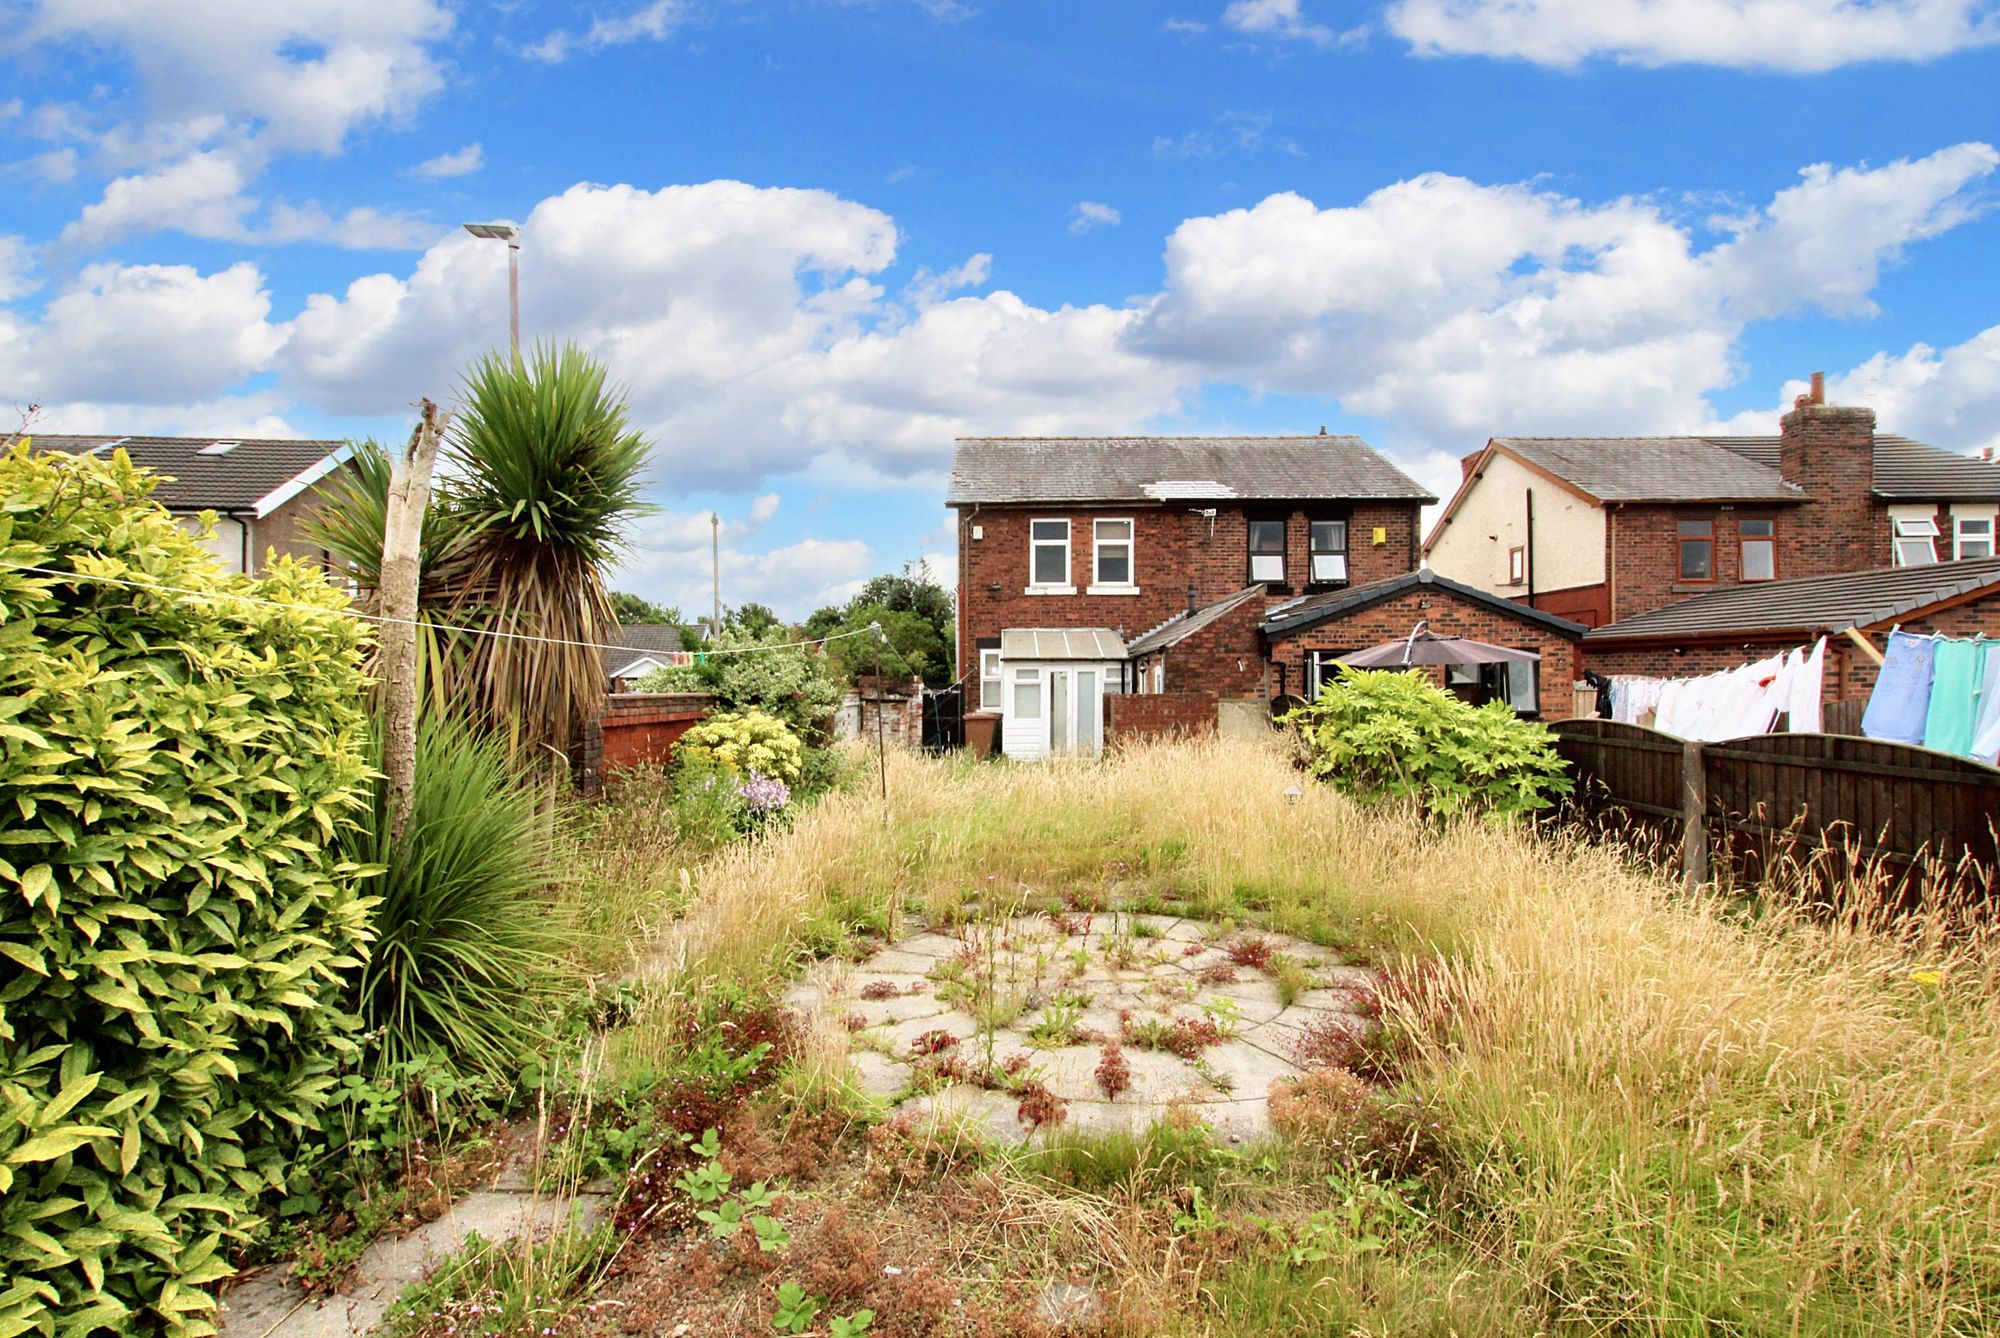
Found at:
[1448, 615]
[1174, 547]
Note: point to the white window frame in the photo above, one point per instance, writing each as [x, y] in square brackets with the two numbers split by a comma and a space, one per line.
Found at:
[1978, 515]
[1912, 529]
[1322, 666]
[997, 676]
[1100, 586]
[1019, 679]
[1066, 586]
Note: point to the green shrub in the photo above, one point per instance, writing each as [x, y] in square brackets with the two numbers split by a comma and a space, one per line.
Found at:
[176, 929]
[1388, 734]
[467, 959]
[745, 742]
[799, 686]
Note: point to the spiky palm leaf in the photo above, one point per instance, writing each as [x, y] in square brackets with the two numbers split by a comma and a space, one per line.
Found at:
[542, 470]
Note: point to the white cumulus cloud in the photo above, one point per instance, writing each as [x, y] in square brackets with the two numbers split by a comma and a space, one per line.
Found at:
[1794, 36]
[1089, 214]
[457, 163]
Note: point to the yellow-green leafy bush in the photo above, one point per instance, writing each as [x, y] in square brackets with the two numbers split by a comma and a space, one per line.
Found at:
[746, 741]
[172, 930]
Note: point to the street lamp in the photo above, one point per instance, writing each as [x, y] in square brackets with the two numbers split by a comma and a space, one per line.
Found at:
[510, 234]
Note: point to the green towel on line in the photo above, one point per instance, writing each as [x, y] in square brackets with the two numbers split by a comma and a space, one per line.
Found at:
[1954, 698]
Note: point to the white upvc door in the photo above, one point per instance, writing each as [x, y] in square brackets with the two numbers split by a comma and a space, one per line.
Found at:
[1076, 710]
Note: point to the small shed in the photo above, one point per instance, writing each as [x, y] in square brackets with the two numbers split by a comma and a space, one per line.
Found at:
[1055, 681]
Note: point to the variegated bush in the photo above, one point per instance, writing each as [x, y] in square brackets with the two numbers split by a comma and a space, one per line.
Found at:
[172, 930]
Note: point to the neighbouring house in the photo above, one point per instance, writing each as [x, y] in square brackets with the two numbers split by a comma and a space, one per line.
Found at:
[259, 489]
[643, 647]
[1095, 566]
[1731, 627]
[1599, 529]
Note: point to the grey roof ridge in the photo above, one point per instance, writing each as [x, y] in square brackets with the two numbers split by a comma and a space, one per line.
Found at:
[1364, 596]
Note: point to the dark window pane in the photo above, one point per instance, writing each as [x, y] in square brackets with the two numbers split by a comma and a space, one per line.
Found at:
[1329, 536]
[1755, 529]
[1267, 536]
[1697, 528]
[1051, 564]
[1697, 559]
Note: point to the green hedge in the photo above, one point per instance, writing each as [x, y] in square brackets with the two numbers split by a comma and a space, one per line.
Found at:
[172, 931]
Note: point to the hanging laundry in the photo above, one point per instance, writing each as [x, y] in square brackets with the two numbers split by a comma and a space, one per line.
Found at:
[1949, 719]
[1901, 701]
[1986, 730]
[1806, 690]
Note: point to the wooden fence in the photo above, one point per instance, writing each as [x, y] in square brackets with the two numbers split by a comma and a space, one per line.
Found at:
[1829, 803]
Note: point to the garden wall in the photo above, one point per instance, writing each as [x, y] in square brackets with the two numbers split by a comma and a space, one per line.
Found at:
[637, 729]
[1157, 714]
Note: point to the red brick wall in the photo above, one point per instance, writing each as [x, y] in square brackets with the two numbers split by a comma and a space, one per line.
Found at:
[1173, 548]
[639, 729]
[281, 529]
[1449, 616]
[1223, 659]
[1159, 713]
[1646, 557]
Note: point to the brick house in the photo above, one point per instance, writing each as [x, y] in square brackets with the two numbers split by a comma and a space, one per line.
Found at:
[1599, 529]
[1074, 552]
[1741, 625]
[259, 490]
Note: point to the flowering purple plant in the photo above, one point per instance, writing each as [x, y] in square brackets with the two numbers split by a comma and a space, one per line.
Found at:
[764, 795]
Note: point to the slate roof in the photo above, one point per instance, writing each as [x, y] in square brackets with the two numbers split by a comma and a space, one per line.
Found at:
[1311, 610]
[1810, 604]
[1654, 469]
[1741, 469]
[198, 477]
[1145, 470]
[1184, 625]
[640, 639]
[1061, 643]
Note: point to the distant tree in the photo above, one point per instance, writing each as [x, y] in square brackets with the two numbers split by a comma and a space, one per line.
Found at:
[636, 609]
[754, 620]
[916, 615]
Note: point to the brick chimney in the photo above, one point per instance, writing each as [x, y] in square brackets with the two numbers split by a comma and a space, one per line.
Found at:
[1467, 462]
[1828, 451]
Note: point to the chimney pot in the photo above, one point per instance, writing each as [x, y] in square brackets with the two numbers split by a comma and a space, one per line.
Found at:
[1191, 598]
[1819, 387]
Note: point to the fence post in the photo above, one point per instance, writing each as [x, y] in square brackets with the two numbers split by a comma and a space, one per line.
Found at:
[1694, 817]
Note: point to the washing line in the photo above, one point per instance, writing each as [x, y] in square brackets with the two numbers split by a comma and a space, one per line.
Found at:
[227, 597]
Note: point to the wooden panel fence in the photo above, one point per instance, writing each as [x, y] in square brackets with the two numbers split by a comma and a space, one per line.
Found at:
[1824, 804]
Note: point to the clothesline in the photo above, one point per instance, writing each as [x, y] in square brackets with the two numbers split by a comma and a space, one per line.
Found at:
[1732, 703]
[1938, 691]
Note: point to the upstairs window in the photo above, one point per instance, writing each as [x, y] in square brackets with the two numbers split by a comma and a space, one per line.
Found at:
[1267, 552]
[1759, 542]
[1916, 541]
[1329, 552]
[1114, 552]
[1048, 543]
[1697, 544]
[1975, 537]
[1517, 566]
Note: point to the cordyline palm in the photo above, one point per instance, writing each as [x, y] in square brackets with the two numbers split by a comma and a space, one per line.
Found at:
[540, 471]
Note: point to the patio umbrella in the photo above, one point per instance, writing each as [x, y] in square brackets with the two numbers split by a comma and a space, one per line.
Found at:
[1422, 646]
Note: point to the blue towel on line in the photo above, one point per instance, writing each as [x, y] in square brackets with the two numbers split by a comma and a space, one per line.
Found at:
[1902, 698]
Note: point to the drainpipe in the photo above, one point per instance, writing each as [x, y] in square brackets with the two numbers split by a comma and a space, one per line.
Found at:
[1528, 555]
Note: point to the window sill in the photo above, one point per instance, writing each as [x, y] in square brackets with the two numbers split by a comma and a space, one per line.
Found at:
[1050, 590]
[1111, 590]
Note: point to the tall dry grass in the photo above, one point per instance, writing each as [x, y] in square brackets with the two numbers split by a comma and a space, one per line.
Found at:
[1666, 1115]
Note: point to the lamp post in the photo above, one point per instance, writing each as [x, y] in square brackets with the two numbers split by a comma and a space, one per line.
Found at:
[510, 234]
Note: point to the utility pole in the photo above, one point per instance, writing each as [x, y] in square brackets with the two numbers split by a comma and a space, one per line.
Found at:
[396, 601]
[715, 570]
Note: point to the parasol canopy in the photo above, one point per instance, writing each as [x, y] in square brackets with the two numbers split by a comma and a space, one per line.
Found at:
[1422, 646]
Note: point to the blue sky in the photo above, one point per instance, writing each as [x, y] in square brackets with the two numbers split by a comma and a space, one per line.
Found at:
[818, 239]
